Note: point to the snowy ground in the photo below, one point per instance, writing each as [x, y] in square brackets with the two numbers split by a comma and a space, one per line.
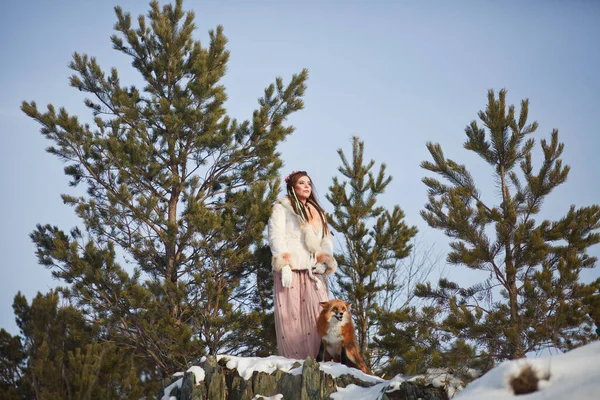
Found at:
[574, 375]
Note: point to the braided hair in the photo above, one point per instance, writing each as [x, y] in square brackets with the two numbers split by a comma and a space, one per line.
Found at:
[300, 209]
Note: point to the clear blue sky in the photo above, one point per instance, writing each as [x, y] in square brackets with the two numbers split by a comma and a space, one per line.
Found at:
[395, 73]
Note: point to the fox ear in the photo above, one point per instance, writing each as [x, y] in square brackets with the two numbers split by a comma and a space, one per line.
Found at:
[323, 303]
[347, 304]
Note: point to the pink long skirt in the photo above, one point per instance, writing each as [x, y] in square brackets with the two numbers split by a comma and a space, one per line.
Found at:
[296, 311]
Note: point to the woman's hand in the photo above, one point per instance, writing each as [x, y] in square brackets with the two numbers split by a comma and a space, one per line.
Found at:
[286, 276]
[319, 268]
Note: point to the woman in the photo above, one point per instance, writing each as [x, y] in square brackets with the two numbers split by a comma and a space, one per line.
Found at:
[302, 253]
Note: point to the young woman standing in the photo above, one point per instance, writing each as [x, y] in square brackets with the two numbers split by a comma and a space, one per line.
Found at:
[302, 251]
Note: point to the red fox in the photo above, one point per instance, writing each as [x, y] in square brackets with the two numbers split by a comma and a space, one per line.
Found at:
[338, 341]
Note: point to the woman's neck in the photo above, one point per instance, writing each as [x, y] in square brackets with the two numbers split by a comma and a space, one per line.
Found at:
[304, 202]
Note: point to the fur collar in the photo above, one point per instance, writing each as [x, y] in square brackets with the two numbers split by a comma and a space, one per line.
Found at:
[313, 244]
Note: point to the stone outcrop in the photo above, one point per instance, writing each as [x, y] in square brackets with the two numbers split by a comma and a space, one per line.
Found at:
[222, 383]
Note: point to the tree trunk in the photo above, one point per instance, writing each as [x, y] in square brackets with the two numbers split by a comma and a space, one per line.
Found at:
[170, 251]
[511, 277]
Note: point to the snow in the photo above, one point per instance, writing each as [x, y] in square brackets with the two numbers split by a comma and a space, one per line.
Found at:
[354, 392]
[199, 377]
[198, 373]
[575, 374]
[177, 384]
[436, 378]
[439, 377]
[247, 365]
[572, 375]
[337, 369]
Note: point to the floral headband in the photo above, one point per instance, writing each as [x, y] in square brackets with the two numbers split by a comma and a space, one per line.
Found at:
[287, 178]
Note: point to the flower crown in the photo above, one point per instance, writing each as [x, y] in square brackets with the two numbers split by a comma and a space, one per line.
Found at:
[287, 178]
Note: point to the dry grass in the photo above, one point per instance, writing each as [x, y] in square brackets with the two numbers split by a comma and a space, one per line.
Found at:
[525, 382]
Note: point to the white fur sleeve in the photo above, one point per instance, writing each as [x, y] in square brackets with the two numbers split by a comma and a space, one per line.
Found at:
[326, 256]
[327, 244]
[276, 235]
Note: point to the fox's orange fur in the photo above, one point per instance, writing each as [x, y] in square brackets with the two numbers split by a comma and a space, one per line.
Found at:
[338, 341]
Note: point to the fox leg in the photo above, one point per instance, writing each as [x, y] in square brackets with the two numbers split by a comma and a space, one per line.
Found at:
[321, 355]
[344, 358]
[351, 358]
[347, 359]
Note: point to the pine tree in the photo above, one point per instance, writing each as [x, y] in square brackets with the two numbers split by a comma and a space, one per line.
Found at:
[256, 335]
[173, 185]
[374, 241]
[413, 343]
[533, 297]
[59, 356]
[12, 363]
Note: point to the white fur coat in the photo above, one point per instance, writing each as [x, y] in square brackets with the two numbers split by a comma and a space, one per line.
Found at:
[299, 245]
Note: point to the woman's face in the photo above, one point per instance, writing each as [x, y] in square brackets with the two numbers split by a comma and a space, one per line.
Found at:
[303, 188]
